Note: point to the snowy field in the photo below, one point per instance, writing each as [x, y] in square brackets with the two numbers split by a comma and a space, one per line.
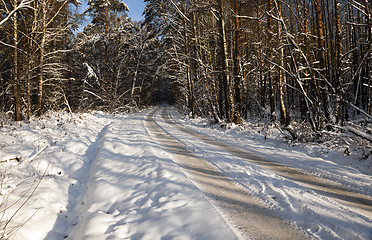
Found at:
[101, 176]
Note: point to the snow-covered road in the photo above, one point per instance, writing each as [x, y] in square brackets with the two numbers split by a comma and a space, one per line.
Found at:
[155, 175]
[361, 203]
[135, 191]
[245, 214]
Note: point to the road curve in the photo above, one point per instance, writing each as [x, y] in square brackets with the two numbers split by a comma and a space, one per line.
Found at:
[245, 214]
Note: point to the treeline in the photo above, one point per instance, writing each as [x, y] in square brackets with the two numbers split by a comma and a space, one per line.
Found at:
[289, 59]
[45, 66]
[286, 60]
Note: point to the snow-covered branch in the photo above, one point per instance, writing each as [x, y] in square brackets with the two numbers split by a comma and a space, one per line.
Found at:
[359, 133]
[23, 4]
[354, 131]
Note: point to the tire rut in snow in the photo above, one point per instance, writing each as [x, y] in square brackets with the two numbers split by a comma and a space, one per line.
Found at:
[78, 190]
[361, 203]
[137, 192]
[244, 213]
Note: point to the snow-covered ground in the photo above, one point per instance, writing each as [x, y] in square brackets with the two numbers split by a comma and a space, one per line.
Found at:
[100, 176]
[320, 216]
[103, 177]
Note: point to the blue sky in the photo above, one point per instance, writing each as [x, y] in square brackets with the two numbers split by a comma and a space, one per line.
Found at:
[136, 8]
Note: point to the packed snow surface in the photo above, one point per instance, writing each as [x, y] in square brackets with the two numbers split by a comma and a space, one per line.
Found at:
[102, 176]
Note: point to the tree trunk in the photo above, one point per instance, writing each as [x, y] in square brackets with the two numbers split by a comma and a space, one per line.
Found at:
[270, 73]
[321, 54]
[190, 84]
[42, 51]
[211, 58]
[224, 62]
[236, 59]
[136, 71]
[2, 103]
[284, 109]
[195, 62]
[305, 49]
[17, 96]
[321, 51]
[338, 71]
[31, 62]
[329, 69]
[369, 49]
[106, 87]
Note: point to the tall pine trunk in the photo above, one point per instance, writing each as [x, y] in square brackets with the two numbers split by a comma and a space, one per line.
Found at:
[236, 59]
[321, 59]
[338, 71]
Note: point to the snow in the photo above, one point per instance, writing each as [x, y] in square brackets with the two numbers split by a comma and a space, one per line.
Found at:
[100, 176]
[104, 179]
[322, 217]
[91, 73]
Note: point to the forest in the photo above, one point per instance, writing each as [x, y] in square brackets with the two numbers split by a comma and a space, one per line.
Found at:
[287, 61]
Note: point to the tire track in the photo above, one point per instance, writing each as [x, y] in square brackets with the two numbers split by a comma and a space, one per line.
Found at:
[360, 203]
[244, 213]
[79, 190]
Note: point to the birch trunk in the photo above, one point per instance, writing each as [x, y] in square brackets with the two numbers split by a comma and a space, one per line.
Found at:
[284, 109]
[224, 62]
[270, 73]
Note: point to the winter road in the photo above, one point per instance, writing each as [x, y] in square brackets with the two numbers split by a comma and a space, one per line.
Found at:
[359, 202]
[244, 211]
[154, 178]
[157, 175]
[246, 214]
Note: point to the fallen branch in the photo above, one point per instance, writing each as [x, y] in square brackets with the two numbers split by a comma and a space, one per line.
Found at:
[290, 134]
[7, 159]
[35, 155]
[360, 110]
[359, 133]
[353, 130]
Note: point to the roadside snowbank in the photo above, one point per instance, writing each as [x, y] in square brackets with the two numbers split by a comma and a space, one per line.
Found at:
[53, 151]
[102, 177]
